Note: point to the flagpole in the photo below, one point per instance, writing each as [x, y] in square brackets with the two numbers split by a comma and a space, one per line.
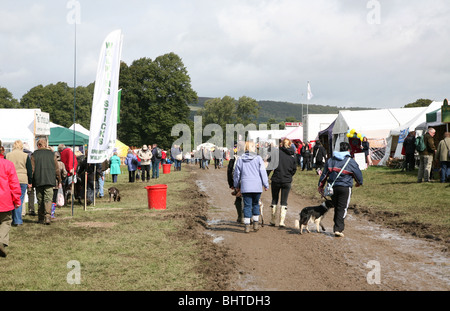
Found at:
[74, 113]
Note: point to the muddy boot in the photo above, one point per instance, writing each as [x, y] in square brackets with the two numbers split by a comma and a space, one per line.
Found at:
[274, 212]
[283, 216]
[247, 225]
[48, 213]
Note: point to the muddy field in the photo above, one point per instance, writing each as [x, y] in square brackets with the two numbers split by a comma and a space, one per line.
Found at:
[370, 257]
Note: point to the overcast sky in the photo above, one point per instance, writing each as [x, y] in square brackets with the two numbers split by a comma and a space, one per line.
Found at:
[380, 54]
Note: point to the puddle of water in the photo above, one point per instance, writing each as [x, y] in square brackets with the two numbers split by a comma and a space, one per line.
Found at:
[432, 262]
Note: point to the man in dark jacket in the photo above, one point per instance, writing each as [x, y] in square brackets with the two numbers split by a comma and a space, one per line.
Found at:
[240, 147]
[156, 159]
[319, 156]
[410, 148]
[427, 156]
[342, 186]
[282, 179]
[45, 172]
[94, 173]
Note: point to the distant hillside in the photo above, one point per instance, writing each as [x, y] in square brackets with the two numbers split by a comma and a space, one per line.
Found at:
[280, 110]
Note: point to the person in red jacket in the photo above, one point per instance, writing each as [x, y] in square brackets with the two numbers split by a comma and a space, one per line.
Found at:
[69, 160]
[9, 200]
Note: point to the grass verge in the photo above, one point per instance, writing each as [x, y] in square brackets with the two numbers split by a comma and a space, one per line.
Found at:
[119, 245]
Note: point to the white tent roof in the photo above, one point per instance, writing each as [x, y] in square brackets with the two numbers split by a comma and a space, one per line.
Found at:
[374, 123]
[418, 119]
[79, 128]
[413, 124]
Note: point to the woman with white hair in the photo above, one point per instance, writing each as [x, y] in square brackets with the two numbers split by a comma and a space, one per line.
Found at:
[24, 171]
[250, 177]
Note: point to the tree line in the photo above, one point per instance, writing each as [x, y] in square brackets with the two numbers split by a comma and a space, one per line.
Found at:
[156, 95]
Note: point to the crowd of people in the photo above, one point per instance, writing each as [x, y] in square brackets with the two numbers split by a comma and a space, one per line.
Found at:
[249, 172]
[434, 158]
[46, 174]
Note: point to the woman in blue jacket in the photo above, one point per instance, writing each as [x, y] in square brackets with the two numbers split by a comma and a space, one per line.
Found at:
[250, 177]
[342, 187]
[114, 167]
[131, 162]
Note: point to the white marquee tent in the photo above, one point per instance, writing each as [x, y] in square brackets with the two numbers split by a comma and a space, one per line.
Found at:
[394, 142]
[374, 124]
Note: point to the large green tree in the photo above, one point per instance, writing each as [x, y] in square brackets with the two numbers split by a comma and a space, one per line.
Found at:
[227, 110]
[7, 99]
[58, 100]
[155, 97]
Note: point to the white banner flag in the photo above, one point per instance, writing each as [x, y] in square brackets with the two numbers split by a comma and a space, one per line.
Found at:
[103, 130]
[310, 94]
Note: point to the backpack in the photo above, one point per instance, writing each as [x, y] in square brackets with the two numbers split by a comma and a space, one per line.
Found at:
[134, 161]
[159, 153]
[420, 143]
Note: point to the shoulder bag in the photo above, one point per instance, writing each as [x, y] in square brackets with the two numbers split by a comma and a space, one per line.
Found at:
[328, 191]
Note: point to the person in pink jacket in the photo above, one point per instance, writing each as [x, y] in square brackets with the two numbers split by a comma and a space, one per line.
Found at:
[9, 200]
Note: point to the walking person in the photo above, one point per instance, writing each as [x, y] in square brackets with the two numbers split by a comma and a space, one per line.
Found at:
[45, 166]
[218, 156]
[94, 172]
[10, 194]
[30, 189]
[70, 162]
[427, 156]
[114, 163]
[319, 156]
[230, 174]
[177, 156]
[249, 178]
[145, 154]
[282, 180]
[306, 155]
[340, 171]
[443, 156]
[131, 162]
[365, 146]
[22, 164]
[100, 191]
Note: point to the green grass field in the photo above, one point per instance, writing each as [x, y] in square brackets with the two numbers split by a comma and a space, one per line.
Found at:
[119, 246]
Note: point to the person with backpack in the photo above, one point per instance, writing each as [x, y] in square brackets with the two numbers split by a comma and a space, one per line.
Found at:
[426, 147]
[156, 159]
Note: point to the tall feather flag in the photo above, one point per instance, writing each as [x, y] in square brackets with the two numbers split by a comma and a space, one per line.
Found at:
[310, 94]
[103, 129]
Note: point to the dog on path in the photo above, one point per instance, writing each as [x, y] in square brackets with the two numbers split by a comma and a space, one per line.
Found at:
[114, 194]
[313, 214]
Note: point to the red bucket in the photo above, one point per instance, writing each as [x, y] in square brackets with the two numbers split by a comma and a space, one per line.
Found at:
[157, 195]
[166, 168]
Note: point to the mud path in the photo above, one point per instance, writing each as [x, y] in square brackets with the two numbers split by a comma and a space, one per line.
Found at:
[279, 259]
